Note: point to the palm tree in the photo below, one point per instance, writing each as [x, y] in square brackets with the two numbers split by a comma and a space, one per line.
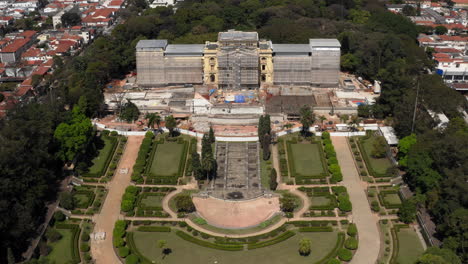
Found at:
[157, 120]
[208, 165]
[344, 118]
[322, 118]
[354, 121]
[171, 124]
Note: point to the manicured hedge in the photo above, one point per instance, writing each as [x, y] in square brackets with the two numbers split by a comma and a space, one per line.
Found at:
[311, 223]
[352, 230]
[129, 199]
[351, 243]
[284, 236]
[345, 254]
[334, 251]
[154, 229]
[316, 229]
[183, 159]
[141, 160]
[75, 229]
[203, 243]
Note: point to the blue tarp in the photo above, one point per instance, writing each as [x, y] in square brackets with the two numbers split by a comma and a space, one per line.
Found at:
[440, 72]
[239, 98]
[212, 91]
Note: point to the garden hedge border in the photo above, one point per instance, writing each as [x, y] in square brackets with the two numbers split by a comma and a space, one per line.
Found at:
[292, 169]
[365, 156]
[332, 204]
[91, 197]
[385, 203]
[334, 252]
[396, 243]
[154, 229]
[226, 247]
[75, 241]
[183, 159]
[143, 195]
[283, 237]
[114, 141]
[134, 249]
[316, 229]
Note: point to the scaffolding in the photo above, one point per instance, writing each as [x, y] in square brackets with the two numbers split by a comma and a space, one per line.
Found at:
[291, 70]
[181, 70]
[238, 68]
[150, 68]
[325, 67]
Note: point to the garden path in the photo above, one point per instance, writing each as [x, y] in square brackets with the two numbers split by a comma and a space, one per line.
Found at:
[103, 251]
[366, 222]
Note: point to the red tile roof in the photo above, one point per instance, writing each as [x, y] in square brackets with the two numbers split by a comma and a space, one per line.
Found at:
[27, 34]
[41, 70]
[446, 50]
[441, 55]
[15, 45]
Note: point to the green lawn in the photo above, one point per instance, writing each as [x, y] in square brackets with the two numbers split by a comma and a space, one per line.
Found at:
[167, 159]
[61, 251]
[172, 203]
[392, 198]
[100, 161]
[187, 252]
[273, 220]
[152, 200]
[319, 200]
[306, 159]
[380, 166]
[409, 248]
[81, 200]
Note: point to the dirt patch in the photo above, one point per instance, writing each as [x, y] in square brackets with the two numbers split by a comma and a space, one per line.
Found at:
[236, 214]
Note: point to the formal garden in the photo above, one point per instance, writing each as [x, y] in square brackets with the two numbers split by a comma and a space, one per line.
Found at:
[162, 159]
[66, 240]
[177, 242]
[144, 201]
[370, 154]
[101, 159]
[384, 200]
[84, 200]
[324, 200]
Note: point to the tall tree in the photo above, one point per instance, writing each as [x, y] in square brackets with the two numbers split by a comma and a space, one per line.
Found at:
[307, 118]
[211, 135]
[170, 124]
[266, 146]
[129, 112]
[73, 135]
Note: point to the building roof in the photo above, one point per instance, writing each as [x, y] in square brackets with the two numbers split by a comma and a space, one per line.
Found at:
[324, 43]
[148, 44]
[185, 49]
[291, 48]
[233, 35]
[27, 34]
[389, 135]
[15, 45]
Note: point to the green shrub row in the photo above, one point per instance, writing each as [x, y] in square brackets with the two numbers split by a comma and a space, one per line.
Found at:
[103, 170]
[75, 229]
[344, 204]
[141, 159]
[284, 236]
[333, 166]
[334, 251]
[154, 229]
[166, 180]
[129, 199]
[312, 223]
[227, 247]
[316, 229]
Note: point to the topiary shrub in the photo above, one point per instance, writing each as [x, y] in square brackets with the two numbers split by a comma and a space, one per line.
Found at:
[345, 254]
[124, 251]
[333, 261]
[114, 133]
[352, 230]
[84, 247]
[351, 243]
[132, 259]
[85, 237]
[59, 216]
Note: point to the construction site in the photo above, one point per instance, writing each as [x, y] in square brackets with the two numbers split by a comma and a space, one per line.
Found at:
[232, 81]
